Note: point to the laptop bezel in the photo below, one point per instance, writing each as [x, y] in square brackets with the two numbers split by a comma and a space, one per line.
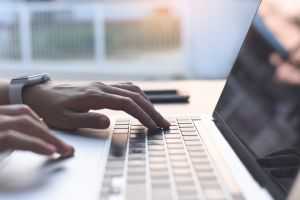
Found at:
[245, 154]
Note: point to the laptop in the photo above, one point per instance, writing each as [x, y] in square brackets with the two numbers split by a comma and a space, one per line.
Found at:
[248, 149]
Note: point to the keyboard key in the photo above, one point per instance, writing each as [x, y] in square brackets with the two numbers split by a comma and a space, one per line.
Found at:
[203, 168]
[193, 143]
[136, 163]
[206, 175]
[137, 145]
[115, 164]
[173, 141]
[158, 167]
[136, 178]
[155, 142]
[184, 121]
[141, 127]
[138, 132]
[177, 151]
[137, 140]
[186, 125]
[136, 170]
[172, 132]
[198, 156]
[214, 193]
[173, 128]
[119, 143]
[210, 183]
[178, 164]
[137, 157]
[184, 180]
[171, 136]
[187, 189]
[176, 157]
[200, 160]
[160, 182]
[175, 146]
[114, 172]
[136, 191]
[161, 193]
[187, 129]
[120, 131]
[157, 159]
[124, 122]
[137, 151]
[155, 137]
[155, 132]
[185, 172]
[156, 147]
[195, 148]
[190, 138]
[157, 153]
[159, 174]
[121, 126]
[117, 183]
[194, 133]
[105, 190]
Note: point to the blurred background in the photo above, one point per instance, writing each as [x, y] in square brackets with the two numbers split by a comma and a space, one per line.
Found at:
[127, 39]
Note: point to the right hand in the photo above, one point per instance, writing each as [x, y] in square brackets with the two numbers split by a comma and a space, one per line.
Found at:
[22, 129]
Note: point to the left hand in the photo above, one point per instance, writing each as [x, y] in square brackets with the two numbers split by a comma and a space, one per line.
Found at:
[67, 106]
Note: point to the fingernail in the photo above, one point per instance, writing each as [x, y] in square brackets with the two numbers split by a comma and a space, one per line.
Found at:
[70, 151]
[51, 149]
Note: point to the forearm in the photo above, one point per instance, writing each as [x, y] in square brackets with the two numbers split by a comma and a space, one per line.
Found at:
[4, 99]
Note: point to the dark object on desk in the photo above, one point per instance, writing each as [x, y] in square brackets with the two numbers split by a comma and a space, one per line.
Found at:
[167, 96]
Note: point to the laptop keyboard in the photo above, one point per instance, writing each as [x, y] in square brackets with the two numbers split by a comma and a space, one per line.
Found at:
[162, 164]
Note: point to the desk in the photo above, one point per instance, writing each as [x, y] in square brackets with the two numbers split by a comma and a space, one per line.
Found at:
[204, 95]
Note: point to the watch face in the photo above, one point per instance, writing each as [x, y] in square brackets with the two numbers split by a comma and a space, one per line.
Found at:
[31, 78]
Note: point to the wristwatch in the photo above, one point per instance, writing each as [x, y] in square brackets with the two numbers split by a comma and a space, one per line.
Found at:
[17, 85]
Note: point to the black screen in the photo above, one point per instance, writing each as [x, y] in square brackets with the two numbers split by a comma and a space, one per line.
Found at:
[260, 103]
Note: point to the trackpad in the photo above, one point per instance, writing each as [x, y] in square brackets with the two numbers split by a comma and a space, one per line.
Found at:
[26, 175]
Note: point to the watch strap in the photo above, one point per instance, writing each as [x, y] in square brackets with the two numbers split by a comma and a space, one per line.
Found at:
[15, 93]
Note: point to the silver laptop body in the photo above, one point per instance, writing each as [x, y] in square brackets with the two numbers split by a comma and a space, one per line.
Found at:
[194, 159]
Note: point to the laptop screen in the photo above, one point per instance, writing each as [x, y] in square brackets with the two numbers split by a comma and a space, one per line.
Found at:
[260, 104]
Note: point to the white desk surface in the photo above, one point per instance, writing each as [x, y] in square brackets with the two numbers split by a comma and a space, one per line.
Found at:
[204, 95]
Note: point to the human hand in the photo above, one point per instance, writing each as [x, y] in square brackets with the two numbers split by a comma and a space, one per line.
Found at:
[284, 163]
[67, 106]
[22, 129]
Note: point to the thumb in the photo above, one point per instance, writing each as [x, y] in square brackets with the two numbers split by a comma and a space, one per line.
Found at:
[87, 120]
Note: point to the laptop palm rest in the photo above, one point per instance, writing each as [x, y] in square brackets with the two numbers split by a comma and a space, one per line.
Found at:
[35, 176]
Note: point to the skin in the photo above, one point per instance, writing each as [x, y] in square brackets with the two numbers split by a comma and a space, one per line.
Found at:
[67, 107]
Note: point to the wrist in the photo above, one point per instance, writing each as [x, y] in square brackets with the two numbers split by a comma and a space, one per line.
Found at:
[4, 94]
[31, 94]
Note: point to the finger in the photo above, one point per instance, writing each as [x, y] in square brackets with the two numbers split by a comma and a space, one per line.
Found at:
[13, 140]
[14, 110]
[288, 172]
[132, 88]
[31, 127]
[143, 103]
[116, 102]
[279, 161]
[86, 120]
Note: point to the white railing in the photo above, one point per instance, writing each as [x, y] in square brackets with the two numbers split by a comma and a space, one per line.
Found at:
[163, 27]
